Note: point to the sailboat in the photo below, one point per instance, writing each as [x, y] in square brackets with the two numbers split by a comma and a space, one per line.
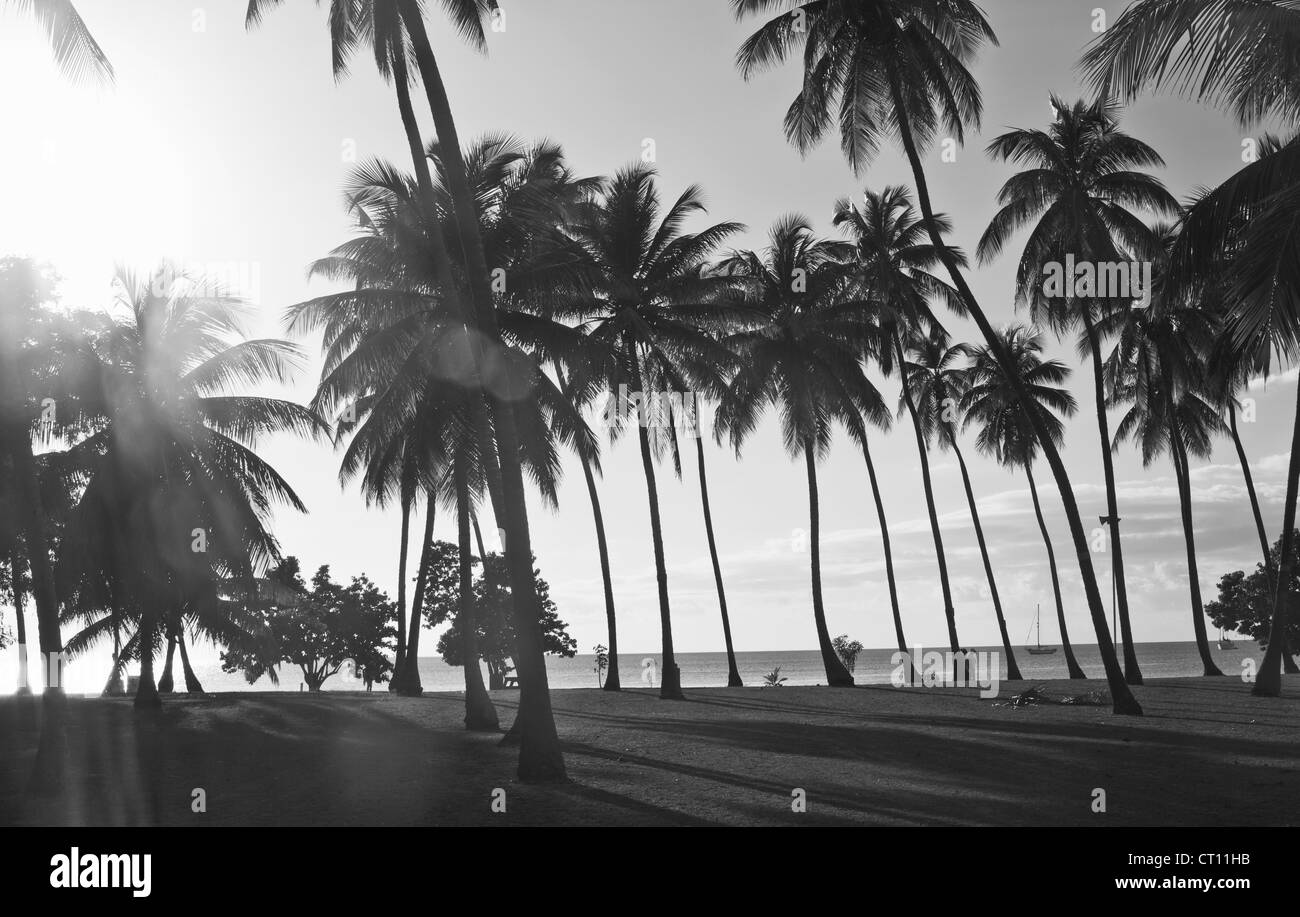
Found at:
[1039, 649]
[1224, 642]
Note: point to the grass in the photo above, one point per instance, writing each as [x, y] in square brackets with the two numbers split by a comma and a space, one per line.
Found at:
[1206, 753]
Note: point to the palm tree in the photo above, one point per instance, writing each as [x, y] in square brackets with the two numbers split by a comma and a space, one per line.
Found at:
[1239, 57]
[175, 436]
[651, 307]
[17, 588]
[612, 682]
[733, 672]
[1159, 369]
[397, 30]
[895, 264]
[1231, 372]
[75, 49]
[27, 372]
[906, 64]
[937, 380]
[1079, 192]
[802, 356]
[1006, 435]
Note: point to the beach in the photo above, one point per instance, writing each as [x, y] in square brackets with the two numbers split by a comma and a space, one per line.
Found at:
[1205, 753]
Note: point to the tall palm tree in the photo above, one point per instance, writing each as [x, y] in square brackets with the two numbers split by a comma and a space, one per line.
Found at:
[937, 379]
[1159, 370]
[905, 62]
[404, 30]
[1079, 192]
[1006, 435]
[651, 307]
[802, 356]
[612, 681]
[733, 671]
[895, 263]
[75, 49]
[1240, 57]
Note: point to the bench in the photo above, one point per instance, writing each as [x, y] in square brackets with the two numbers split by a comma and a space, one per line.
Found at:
[510, 681]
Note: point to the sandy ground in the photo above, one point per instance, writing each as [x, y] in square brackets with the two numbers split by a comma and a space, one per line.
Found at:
[1206, 753]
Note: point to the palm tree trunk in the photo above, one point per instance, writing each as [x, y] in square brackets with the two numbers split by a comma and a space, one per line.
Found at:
[670, 685]
[612, 682]
[1122, 697]
[1132, 673]
[399, 661]
[540, 758]
[611, 679]
[166, 684]
[889, 554]
[733, 673]
[1268, 682]
[1183, 473]
[1071, 664]
[950, 613]
[16, 579]
[146, 692]
[192, 683]
[411, 685]
[480, 714]
[1288, 663]
[837, 675]
[1013, 670]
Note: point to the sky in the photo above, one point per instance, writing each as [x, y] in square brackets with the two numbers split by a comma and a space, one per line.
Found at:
[227, 150]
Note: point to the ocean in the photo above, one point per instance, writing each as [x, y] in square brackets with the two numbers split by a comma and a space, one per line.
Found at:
[798, 667]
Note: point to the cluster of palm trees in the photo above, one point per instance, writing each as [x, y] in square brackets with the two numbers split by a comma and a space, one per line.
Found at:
[493, 295]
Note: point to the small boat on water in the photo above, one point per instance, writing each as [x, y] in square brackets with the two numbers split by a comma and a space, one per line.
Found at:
[1038, 649]
[1224, 642]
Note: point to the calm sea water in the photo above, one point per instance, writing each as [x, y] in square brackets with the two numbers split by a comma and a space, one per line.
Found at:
[799, 667]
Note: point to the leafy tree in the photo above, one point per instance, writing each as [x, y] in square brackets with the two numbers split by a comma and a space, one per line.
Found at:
[319, 629]
[847, 650]
[492, 610]
[1245, 602]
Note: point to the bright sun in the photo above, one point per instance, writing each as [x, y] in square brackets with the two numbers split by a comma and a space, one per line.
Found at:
[88, 176]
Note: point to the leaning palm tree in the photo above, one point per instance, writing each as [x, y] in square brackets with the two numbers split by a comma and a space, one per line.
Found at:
[894, 263]
[1159, 370]
[402, 29]
[651, 307]
[75, 49]
[1005, 434]
[802, 356]
[899, 67]
[1079, 192]
[936, 379]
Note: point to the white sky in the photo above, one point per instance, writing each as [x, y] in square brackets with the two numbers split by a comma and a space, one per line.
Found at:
[218, 146]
